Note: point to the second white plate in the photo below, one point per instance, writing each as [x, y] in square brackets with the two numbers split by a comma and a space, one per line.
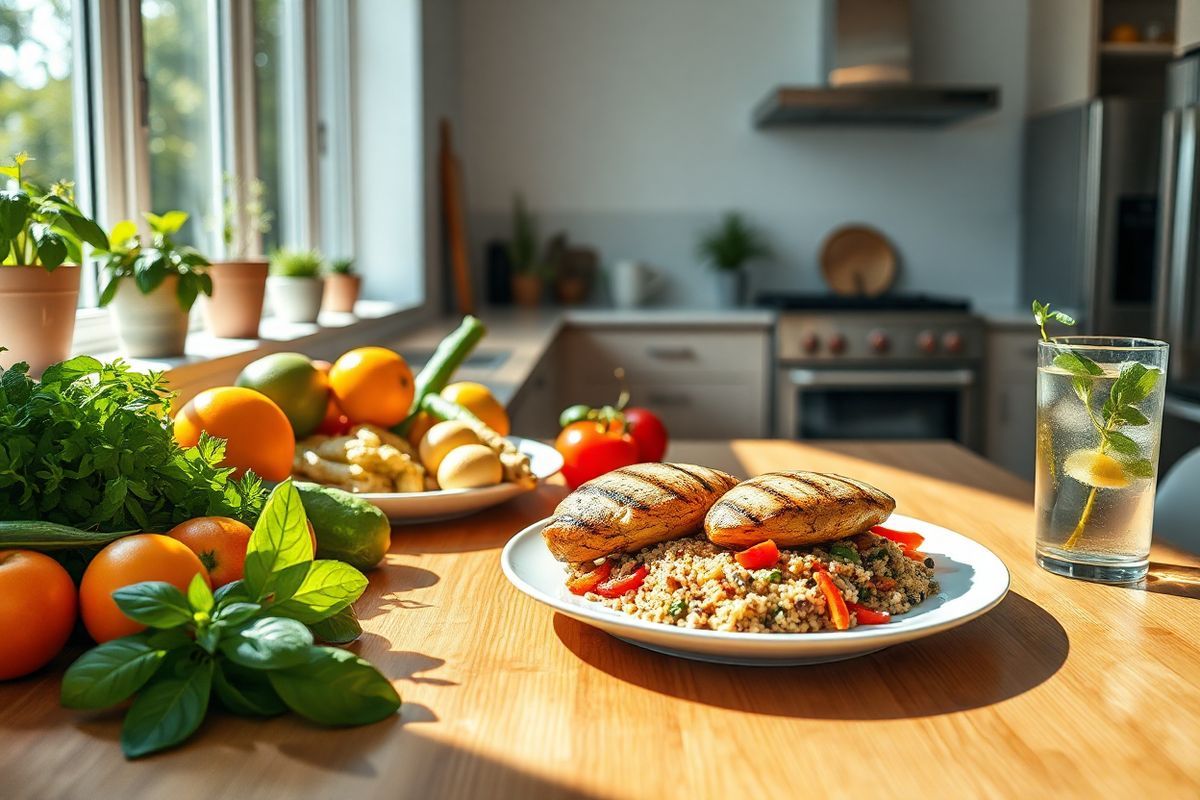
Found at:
[973, 581]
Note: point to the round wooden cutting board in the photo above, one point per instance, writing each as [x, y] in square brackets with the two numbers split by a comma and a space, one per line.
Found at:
[858, 260]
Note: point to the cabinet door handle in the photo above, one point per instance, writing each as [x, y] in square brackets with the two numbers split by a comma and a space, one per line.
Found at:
[668, 399]
[665, 353]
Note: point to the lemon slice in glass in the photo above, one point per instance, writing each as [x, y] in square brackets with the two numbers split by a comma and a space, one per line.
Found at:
[1097, 469]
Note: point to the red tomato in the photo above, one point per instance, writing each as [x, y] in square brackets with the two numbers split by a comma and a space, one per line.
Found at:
[590, 449]
[648, 432]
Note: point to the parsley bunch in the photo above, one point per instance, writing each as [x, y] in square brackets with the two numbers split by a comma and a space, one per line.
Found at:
[91, 446]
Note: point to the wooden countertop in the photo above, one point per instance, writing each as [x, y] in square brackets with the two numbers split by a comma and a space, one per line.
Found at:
[1066, 688]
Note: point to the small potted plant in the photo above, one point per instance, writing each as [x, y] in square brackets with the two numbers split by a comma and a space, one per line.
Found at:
[528, 268]
[41, 246]
[239, 280]
[728, 247]
[151, 310]
[342, 285]
[295, 285]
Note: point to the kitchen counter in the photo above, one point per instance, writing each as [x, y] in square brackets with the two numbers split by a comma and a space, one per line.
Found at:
[1066, 688]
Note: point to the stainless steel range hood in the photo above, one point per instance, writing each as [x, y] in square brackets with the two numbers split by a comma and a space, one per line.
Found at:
[868, 55]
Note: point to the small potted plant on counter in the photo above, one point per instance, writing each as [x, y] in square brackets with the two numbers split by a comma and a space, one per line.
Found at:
[41, 246]
[527, 266]
[342, 285]
[295, 285]
[728, 247]
[239, 280]
[151, 309]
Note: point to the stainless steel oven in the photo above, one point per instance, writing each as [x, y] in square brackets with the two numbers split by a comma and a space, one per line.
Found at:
[907, 372]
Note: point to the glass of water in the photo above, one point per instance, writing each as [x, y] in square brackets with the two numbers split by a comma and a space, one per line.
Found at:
[1099, 416]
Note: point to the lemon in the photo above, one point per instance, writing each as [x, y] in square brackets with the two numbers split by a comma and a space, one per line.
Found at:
[478, 399]
[1097, 469]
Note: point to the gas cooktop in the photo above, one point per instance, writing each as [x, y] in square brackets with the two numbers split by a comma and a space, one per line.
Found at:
[813, 301]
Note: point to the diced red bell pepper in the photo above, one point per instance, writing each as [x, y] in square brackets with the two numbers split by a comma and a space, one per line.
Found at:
[902, 538]
[917, 555]
[838, 613]
[868, 616]
[760, 556]
[623, 586]
[582, 584]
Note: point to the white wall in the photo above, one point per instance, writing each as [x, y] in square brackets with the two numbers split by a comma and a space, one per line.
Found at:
[627, 122]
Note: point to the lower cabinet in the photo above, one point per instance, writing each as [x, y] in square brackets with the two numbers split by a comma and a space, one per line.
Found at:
[1011, 400]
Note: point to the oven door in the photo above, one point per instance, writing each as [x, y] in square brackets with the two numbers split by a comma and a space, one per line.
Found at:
[878, 404]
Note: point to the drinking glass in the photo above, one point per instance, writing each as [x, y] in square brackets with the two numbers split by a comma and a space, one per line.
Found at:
[1099, 416]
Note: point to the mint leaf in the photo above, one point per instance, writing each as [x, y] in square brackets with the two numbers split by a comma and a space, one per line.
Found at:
[269, 643]
[341, 628]
[336, 687]
[328, 587]
[154, 603]
[110, 672]
[1077, 364]
[1131, 416]
[168, 711]
[1083, 388]
[1139, 468]
[1122, 444]
[279, 545]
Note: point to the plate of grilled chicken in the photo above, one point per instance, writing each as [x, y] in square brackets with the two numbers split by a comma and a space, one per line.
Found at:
[786, 568]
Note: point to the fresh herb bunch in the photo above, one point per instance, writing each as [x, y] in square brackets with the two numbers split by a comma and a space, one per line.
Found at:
[249, 644]
[91, 446]
[524, 246]
[244, 215]
[341, 266]
[1133, 385]
[150, 266]
[40, 228]
[296, 263]
[732, 244]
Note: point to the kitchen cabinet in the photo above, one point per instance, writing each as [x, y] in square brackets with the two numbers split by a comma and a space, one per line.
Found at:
[1010, 415]
[1187, 26]
[705, 382]
[534, 409]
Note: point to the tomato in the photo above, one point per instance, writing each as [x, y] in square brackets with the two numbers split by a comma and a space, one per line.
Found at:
[648, 432]
[590, 449]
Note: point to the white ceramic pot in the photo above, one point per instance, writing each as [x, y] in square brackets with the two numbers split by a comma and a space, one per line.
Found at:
[150, 325]
[295, 299]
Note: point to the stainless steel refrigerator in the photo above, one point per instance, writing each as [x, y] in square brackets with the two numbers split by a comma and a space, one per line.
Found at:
[1178, 295]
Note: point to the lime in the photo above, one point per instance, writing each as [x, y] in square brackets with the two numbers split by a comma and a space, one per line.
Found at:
[296, 386]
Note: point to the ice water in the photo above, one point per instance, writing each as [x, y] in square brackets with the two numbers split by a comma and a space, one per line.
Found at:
[1093, 518]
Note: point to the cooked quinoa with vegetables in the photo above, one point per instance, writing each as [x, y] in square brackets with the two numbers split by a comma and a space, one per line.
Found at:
[693, 583]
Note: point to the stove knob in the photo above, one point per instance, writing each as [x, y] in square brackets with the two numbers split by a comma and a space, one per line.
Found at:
[837, 344]
[879, 342]
[810, 343]
[953, 342]
[927, 342]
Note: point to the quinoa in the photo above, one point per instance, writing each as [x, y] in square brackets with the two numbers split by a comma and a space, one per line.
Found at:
[693, 583]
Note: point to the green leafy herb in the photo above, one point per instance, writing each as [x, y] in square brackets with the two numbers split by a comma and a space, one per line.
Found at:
[1042, 314]
[91, 446]
[296, 263]
[846, 553]
[775, 577]
[126, 257]
[732, 243]
[39, 228]
[259, 658]
[677, 609]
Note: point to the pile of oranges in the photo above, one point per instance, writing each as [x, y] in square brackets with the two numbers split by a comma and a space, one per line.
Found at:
[372, 385]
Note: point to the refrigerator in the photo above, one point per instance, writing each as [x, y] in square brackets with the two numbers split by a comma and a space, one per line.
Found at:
[1178, 295]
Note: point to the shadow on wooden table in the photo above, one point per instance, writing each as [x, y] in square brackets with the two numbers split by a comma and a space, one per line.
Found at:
[461, 536]
[1174, 579]
[1009, 651]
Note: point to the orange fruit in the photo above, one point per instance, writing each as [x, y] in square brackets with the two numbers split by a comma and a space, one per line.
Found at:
[257, 434]
[478, 399]
[421, 424]
[373, 385]
[133, 559]
[37, 611]
[220, 542]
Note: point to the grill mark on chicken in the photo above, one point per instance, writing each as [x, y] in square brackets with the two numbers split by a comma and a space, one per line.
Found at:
[617, 497]
[783, 499]
[656, 482]
[697, 478]
[737, 509]
[569, 520]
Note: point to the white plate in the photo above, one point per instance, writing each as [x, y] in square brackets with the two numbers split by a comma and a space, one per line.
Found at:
[973, 580]
[407, 508]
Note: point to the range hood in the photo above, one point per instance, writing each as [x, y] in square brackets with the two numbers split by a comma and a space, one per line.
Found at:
[867, 56]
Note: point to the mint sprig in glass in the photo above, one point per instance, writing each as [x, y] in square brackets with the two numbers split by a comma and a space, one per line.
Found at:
[1099, 415]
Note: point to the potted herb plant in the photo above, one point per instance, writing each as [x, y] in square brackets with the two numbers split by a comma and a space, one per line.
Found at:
[152, 322]
[295, 285]
[41, 246]
[528, 267]
[728, 247]
[342, 285]
[239, 280]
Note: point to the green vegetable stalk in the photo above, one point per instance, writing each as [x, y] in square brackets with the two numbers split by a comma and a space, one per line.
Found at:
[251, 644]
[446, 359]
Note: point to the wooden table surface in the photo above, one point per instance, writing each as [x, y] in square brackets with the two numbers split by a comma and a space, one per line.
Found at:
[1066, 688]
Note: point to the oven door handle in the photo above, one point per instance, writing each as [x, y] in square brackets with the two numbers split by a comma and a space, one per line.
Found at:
[883, 379]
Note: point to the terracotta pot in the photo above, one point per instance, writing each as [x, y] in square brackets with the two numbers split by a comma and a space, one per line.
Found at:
[37, 315]
[150, 325]
[527, 289]
[571, 291]
[236, 305]
[295, 299]
[341, 293]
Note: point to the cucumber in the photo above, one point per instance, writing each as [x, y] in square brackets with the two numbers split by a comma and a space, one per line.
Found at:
[38, 535]
[348, 528]
[447, 358]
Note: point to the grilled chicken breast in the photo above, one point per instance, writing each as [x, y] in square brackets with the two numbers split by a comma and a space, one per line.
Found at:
[632, 507]
[795, 508]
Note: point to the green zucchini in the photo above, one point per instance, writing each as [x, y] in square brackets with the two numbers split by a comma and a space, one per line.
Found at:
[446, 359]
[38, 535]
